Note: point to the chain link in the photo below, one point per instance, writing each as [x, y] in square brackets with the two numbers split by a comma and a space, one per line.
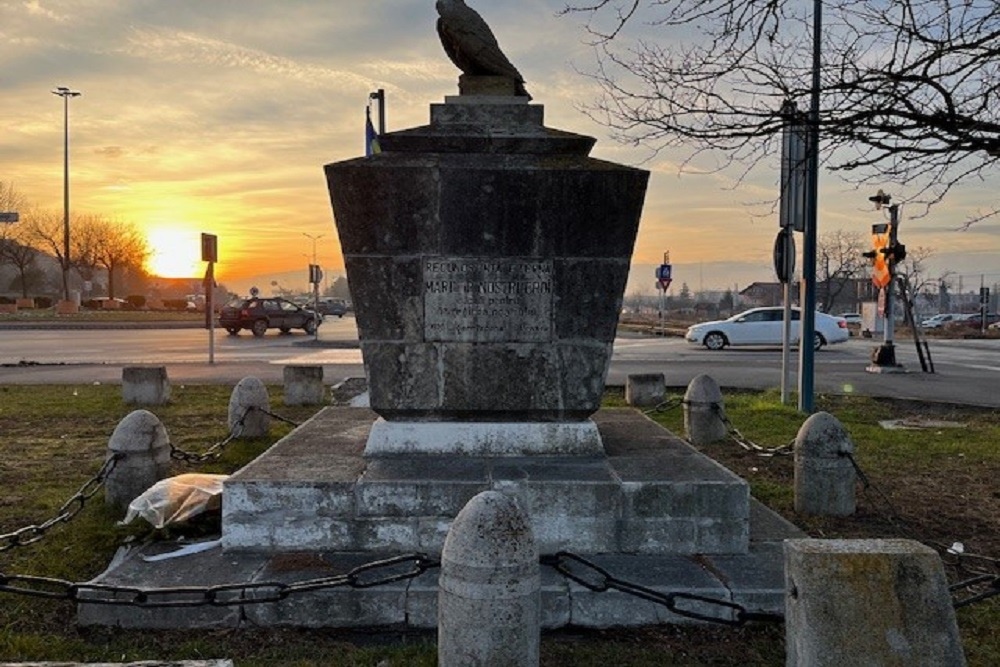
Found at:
[215, 451]
[665, 406]
[276, 416]
[375, 573]
[734, 433]
[595, 578]
[992, 590]
[33, 533]
[954, 557]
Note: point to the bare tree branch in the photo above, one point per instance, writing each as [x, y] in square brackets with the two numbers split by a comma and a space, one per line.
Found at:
[910, 89]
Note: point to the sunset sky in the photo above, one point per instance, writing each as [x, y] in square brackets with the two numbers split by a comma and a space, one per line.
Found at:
[218, 117]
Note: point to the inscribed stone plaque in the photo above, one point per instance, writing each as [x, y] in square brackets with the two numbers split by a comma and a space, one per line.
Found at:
[485, 300]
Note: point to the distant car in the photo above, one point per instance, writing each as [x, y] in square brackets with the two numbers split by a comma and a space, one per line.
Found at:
[938, 321]
[851, 318]
[258, 314]
[975, 320]
[336, 307]
[763, 326]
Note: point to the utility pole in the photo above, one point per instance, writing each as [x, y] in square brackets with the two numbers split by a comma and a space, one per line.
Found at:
[66, 94]
[807, 299]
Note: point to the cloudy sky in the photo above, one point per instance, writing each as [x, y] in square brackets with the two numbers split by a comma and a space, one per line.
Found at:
[218, 115]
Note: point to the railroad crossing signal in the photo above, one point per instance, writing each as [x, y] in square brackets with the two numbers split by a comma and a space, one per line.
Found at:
[881, 271]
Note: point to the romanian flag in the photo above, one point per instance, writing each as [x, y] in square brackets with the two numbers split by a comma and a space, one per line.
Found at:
[371, 136]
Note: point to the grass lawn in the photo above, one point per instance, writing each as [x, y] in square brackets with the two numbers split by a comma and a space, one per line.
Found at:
[937, 485]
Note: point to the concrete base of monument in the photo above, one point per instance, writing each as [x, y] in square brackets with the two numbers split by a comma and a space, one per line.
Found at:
[484, 438]
[754, 580]
[650, 510]
[646, 492]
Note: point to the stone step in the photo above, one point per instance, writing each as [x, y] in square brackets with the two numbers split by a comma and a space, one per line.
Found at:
[650, 493]
[754, 580]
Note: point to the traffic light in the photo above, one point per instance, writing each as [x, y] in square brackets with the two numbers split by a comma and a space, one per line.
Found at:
[880, 255]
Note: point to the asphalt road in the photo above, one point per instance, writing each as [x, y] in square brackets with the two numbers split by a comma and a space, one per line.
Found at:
[967, 371]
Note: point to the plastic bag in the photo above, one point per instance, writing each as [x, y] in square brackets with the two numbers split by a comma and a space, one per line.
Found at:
[177, 499]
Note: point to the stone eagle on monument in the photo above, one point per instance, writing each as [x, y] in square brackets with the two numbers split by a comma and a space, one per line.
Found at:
[470, 44]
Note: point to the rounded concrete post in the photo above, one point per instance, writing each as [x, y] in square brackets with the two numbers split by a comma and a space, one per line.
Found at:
[825, 480]
[304, 385]
[141, 440]
[867, 602]
[645, 390]
[703, 410]
[145, 385]
[489, 606]
[244, 415]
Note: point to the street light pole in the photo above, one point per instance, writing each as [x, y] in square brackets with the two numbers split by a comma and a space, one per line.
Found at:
[66, 94]
[314, 238]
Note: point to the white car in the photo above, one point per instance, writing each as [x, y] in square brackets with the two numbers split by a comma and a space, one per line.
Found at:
[763, 326]
[938, 321]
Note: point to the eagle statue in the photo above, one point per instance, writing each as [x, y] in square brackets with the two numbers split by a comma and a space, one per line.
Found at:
[470, 44]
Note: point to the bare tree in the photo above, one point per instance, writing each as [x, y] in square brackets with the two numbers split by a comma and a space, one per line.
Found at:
[115, 246]
[839, 264]
[909, 88]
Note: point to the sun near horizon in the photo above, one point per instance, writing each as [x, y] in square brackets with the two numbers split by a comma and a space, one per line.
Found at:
[174, 253]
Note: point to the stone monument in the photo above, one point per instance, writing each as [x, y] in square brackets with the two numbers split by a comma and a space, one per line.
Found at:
[487, 256]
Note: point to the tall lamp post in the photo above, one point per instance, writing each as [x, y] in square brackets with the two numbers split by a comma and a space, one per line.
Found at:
[66, 94]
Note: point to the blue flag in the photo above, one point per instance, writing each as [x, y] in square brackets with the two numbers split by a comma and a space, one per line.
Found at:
[371, 136]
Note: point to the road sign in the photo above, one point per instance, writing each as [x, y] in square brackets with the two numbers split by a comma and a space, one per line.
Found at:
[664, 276]
[8, 216]
[794, 169]
[881, 272]
[784, 254]
[209, 248]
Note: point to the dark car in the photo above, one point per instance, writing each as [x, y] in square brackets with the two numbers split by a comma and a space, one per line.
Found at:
[258, 314]
[337, 307]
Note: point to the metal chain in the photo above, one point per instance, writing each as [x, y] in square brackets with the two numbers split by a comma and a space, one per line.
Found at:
[278, 417]
[947, 552]
[35, 532]
[992, 591]
[595, 578]
[734, 433]
[375, 573]
[665, 406]
[215, 451]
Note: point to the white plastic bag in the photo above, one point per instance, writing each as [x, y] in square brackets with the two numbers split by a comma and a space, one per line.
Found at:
[177, 499]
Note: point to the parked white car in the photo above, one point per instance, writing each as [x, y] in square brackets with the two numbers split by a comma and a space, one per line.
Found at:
[763, 326]
[938, 321]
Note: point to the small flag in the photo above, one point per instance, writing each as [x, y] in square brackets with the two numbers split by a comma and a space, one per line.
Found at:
[371, 136]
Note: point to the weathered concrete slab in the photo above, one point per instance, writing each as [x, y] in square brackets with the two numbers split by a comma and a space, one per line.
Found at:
[647, 492]
[754, 580]
[646, 475]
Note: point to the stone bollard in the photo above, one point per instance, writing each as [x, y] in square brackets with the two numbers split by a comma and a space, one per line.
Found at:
[489, 605]
[867, 602]
[645, 390]
[145, 385]
[250, 422]
[703, 410]
[145, 446]
[825, 479]
[304, 385]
